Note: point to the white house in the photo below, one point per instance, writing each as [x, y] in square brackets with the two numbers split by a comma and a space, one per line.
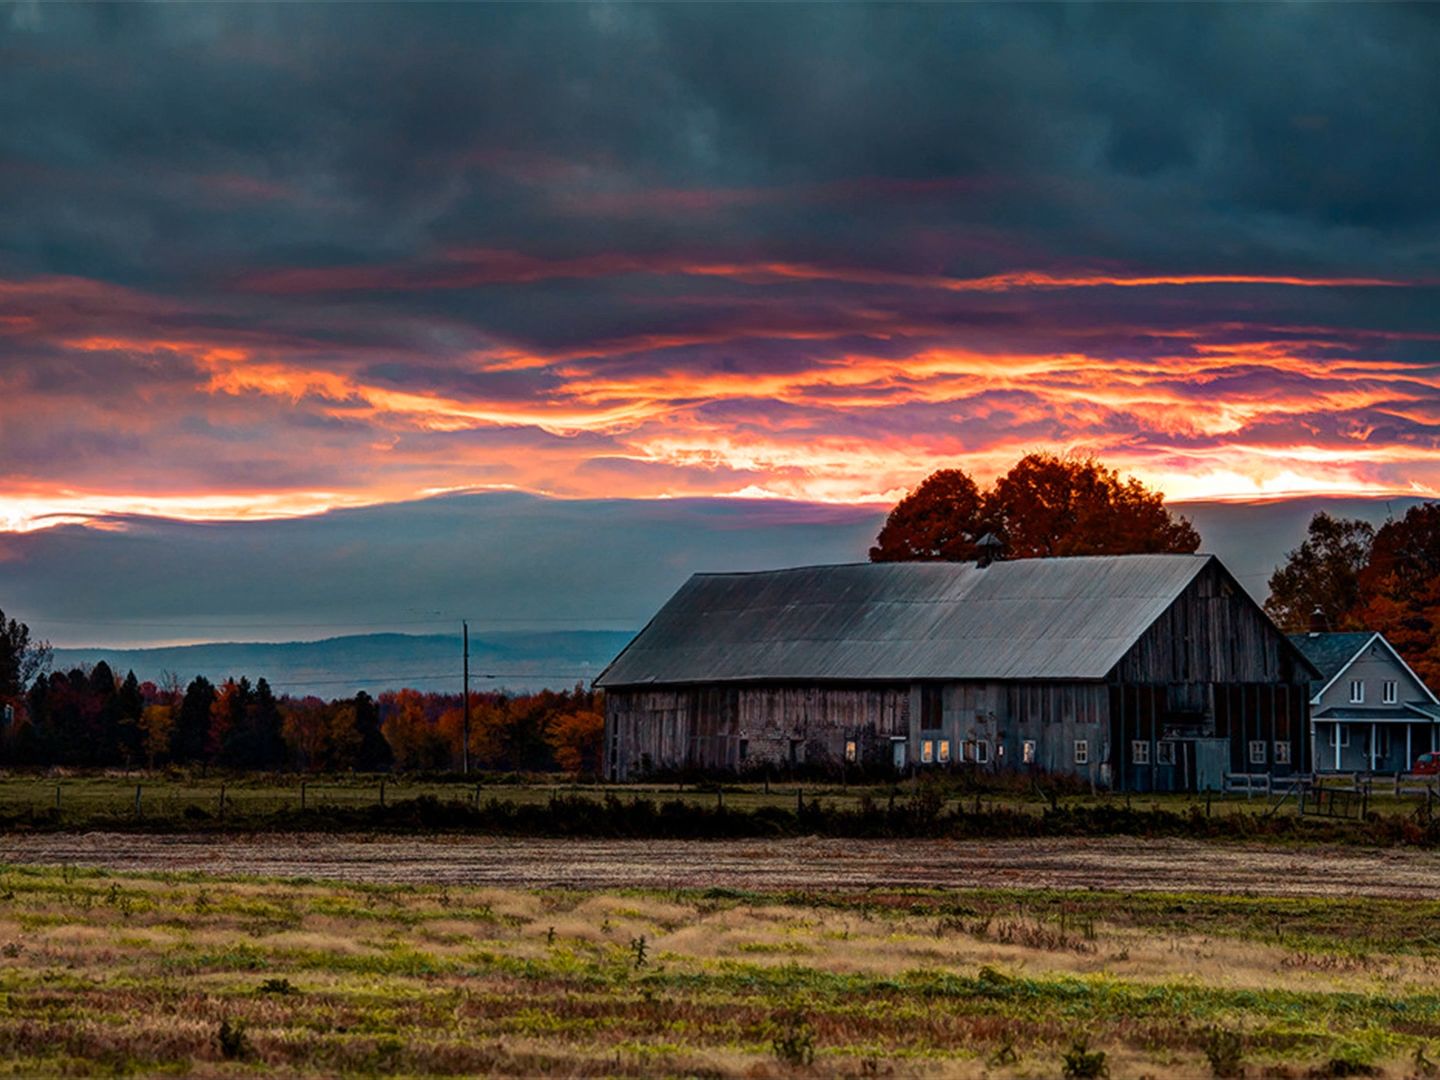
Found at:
[1369, 712]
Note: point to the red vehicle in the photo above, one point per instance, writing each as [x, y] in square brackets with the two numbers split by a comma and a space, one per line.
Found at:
[1428, 763]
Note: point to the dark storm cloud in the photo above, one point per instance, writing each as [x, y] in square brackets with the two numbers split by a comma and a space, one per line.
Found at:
[322, 254]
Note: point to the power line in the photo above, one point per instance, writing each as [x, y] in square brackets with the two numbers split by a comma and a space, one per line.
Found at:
[280, 625]
[449, 675]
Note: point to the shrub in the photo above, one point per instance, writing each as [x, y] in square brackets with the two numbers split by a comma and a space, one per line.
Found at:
[1082, 1063]
[1223, 1049]
[278, 986]
[234, 1043]
[793, 1040]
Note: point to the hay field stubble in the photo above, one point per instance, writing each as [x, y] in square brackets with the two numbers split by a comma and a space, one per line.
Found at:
[184, 973]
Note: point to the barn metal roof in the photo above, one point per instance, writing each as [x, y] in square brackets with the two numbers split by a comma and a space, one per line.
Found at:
[1028, 619]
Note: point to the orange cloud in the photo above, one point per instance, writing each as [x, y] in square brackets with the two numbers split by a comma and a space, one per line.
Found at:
[840, 402]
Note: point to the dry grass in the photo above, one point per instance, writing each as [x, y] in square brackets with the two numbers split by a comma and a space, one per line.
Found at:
[104, 973]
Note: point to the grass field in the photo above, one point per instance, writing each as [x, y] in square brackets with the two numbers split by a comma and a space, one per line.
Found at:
[107, 973]
[86, 799]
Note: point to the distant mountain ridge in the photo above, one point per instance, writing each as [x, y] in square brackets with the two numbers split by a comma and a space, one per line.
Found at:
[341, 666]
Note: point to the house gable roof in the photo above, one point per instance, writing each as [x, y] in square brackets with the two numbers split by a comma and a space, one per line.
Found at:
[1333, 654]
[1071, 618]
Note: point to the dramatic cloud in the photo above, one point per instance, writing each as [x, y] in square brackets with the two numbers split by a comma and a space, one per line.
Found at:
[258, 261]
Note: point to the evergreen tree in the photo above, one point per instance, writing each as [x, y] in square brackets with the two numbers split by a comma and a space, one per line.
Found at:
[191, 733]
[131, 710]
[374, 753]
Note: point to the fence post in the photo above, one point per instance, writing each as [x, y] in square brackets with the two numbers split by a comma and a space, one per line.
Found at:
[222, 799]
[57, 797]
[382, 792]
[137, 800]
[302, 795]
[477, 796]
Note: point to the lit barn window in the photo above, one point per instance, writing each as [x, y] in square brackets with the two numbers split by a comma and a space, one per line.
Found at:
[851, 750]
[944, 751]
[1027, 752]
[927, 751]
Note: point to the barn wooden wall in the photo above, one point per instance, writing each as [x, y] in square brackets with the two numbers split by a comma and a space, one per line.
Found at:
[1213, 633]
[731, 727]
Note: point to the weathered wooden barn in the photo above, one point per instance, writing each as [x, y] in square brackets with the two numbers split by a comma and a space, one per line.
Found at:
[1142, 672]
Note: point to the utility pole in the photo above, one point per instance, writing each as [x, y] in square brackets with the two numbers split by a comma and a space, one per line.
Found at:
[465, 744]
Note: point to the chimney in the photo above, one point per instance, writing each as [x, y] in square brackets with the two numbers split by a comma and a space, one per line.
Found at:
[1318, 622]
[989, 547]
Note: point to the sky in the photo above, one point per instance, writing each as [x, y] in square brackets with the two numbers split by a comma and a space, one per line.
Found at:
[264, 261]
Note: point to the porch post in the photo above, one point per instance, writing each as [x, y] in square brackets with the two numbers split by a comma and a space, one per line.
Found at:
[1409, 753]
[1337, 745]
[1374, 741]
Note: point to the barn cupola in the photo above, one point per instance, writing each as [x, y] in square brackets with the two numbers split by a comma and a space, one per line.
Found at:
[1318, 622]
[989, 547]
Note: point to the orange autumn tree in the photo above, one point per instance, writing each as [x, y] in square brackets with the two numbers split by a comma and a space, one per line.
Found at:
[1045, 506]
[1363, 579]
[578, 741]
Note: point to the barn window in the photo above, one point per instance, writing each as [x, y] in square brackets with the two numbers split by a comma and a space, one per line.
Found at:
[944, 751]
[1357, 691]
[1165, 753]
[982, 752]
[1389, 694]
[1027, 752]
[851, 750]
[1140, 752]
[927, 751]
[932, 707]
[1282, 753]
[1257, 752]
[1082, 751]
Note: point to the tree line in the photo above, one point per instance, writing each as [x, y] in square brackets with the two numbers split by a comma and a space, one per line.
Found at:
[1347, 575]
[94, 718]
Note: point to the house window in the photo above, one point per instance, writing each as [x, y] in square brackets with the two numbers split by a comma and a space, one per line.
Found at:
[1082, 751]
[1357, 691]
[1027, 752]
[851, 750]
[1257, 752]
[1165, 753]
[1342, 731]
[943, 751]
[1140, 752]
[1389, 694]
[982, 752]
[1282, 753]
[927, 751]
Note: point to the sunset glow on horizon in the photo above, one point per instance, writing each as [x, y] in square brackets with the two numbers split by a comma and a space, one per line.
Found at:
[241, 302]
